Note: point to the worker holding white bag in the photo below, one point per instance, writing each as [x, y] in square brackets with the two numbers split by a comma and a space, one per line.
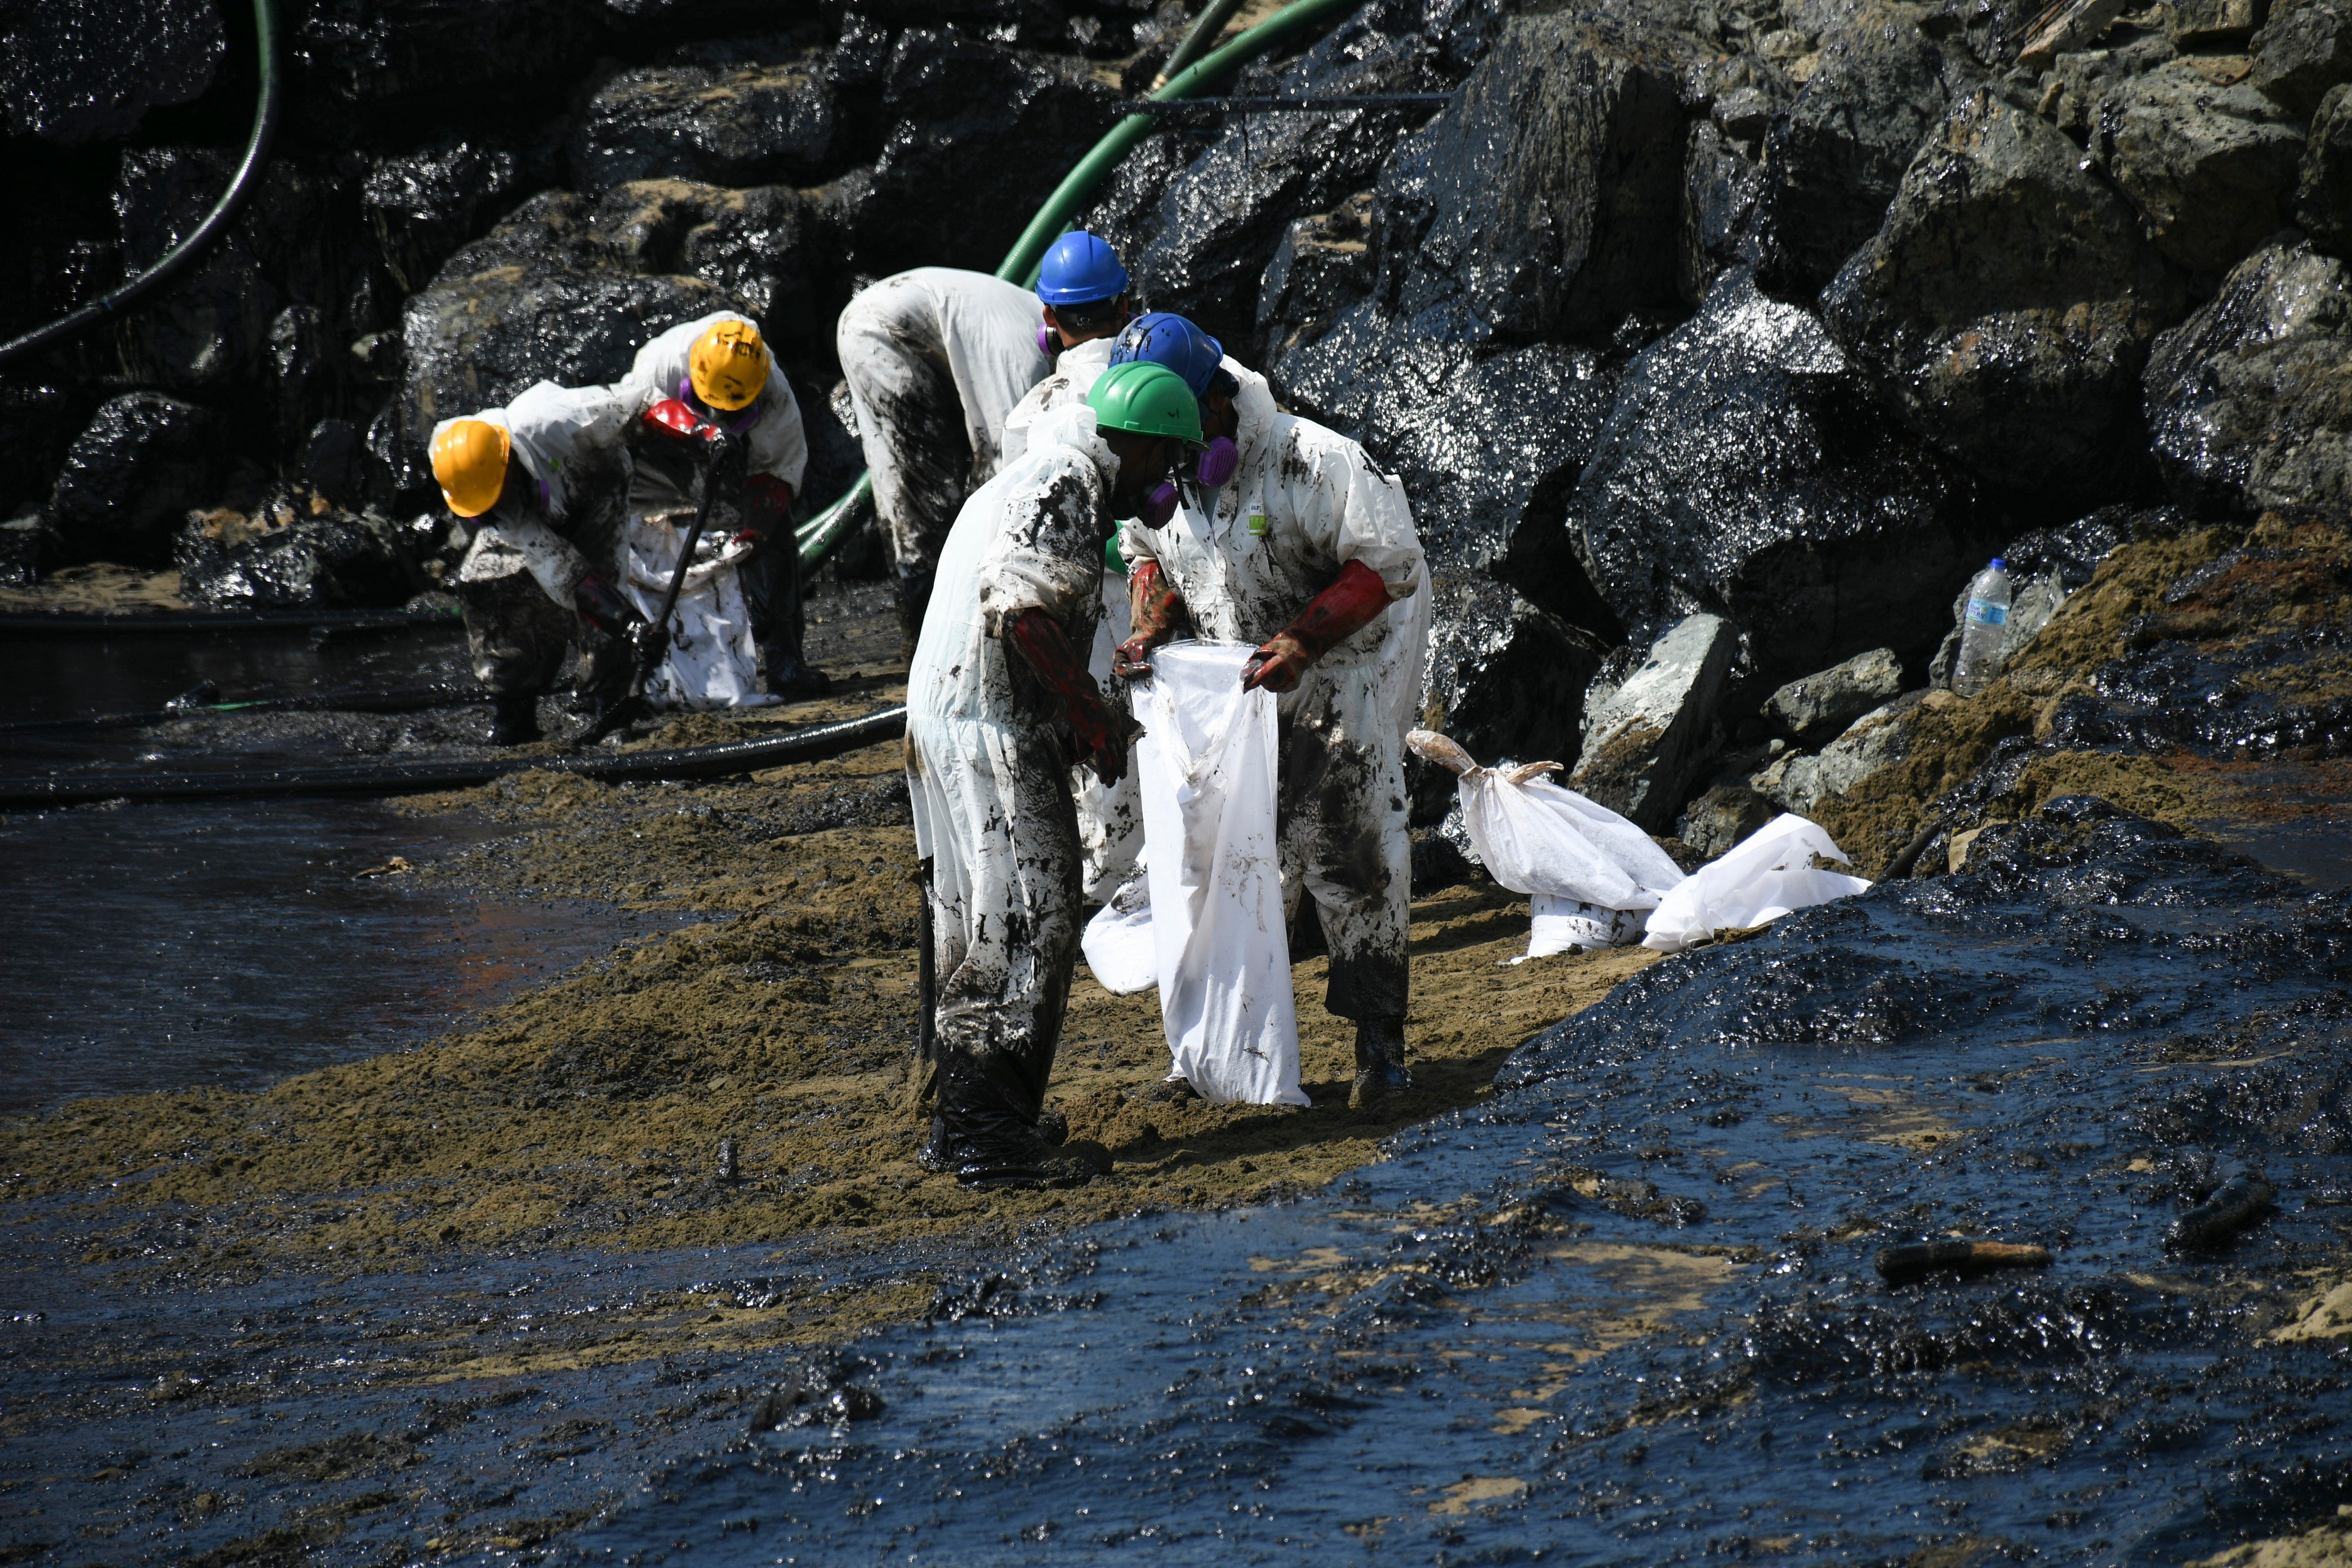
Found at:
[999, 708]
[1307, 551]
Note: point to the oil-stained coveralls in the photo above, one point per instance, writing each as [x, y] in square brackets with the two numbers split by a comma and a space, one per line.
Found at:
[1110, 817]
[517, 583]
[1303, 503]
[935, 359]
[988, 766]
[760, 488]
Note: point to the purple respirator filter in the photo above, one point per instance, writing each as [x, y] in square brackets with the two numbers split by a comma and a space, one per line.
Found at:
[1159, 506]
[1045, 341]
[1216, 464]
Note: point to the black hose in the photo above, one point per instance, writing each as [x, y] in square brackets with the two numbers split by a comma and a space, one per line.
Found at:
[183, 622]
[400, 778]
[404, 700]
[175, 261]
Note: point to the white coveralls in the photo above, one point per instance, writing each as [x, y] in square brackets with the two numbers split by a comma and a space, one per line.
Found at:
[713, 657]
[1110, 817]
[568, 441]
[936, 359]
[988, 776]
[1303, 502]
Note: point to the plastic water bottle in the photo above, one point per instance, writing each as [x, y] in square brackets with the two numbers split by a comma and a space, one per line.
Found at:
[1982, 629]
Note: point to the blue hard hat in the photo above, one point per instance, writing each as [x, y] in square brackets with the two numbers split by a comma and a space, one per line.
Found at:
[1079, 271]
[1164, 338]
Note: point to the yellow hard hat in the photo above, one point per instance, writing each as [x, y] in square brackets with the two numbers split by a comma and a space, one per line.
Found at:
[469, 459]
[729, 365]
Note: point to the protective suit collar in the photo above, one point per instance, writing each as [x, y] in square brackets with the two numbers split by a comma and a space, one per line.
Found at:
[1254, 410]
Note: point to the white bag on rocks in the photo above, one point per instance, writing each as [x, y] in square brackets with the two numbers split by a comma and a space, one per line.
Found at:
[1206, 765]
[1769, 873]
[1588, 873]
[1119, 944]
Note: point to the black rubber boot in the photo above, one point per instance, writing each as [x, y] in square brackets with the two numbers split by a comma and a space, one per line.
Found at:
[791, 679]
[1053, 1127]
[1031, 1162]
[932, 1157]
[514, 718]
[1379, 1062]
[914, 598]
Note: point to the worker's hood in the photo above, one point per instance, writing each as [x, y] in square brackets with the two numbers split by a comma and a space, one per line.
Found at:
[1254, 409]
[1073, 426]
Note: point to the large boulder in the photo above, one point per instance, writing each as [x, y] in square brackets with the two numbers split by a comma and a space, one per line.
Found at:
[542, 296]
[2209, 161]
[1819, 706]
[410, 57]
[90, 71]
[1834, 161]
[1506, 678]
[1200, 240]
[210, 331]
[424, 204]
[2323, 192]
[2249, 400]
[1721, 185]
[724, 121]
[1543, 202]
[2304, 49]
[1647, 742]
[2008, 303]
[1746, 468]
[145, 460]
[973, 125]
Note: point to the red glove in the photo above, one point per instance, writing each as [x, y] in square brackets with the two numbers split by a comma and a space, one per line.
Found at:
[1046, 648]
[670, 418]
[1158, 614]
[1348, 604]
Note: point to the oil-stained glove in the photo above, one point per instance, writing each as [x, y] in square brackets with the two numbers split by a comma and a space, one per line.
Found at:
[1101, 732]
[1348, 604]
[1158, 614]
[767, 504]
[603, 606]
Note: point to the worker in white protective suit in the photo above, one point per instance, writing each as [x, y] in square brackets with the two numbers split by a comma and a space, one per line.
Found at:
[936, 361]
[739, 627]
[537, 479]
[1110, 815]
[999, 708]
[1308, 550]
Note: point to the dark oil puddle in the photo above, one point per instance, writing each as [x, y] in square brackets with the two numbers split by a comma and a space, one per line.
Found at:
[1623, 1312]
[61, 677]
[232, 943]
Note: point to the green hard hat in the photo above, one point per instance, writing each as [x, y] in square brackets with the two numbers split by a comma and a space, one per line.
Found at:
[1146, 399]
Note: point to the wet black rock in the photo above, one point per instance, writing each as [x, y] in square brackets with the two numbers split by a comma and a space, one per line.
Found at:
[295, 551]
[543, 295]
[1322, 265]
[781, 251]
[293, 245]
[29, 547]
[90, 69]
[1202, 242]
[1722, 815]
[1878, 89]
[1543, 202]
[971, 126]
[410, 55]
[1746, 467]
[145, 460]
[37, 423]
[1721, 185]
[2007, 304]
[334, 461]
[725, 122]
[2208, 160]
[2323, 194]
[2249, 400]
[426, 203]
[2304, 49]
[1508, 676]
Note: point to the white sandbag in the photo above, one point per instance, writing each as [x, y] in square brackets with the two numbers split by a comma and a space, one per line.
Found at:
[1588, 873]
[1768, 874]
[1119, 944]
[1571, 925]
[1206, 767]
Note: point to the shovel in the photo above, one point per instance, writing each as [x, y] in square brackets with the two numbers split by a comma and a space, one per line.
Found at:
[630, 706]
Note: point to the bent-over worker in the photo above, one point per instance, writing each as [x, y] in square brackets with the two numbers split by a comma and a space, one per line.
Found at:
[720, 370]
[1308, 550]
[936, 360]
[999, 708]
[536, 479]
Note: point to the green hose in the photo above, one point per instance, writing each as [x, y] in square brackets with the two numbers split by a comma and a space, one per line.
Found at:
[1203, 32]
[821, 534]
